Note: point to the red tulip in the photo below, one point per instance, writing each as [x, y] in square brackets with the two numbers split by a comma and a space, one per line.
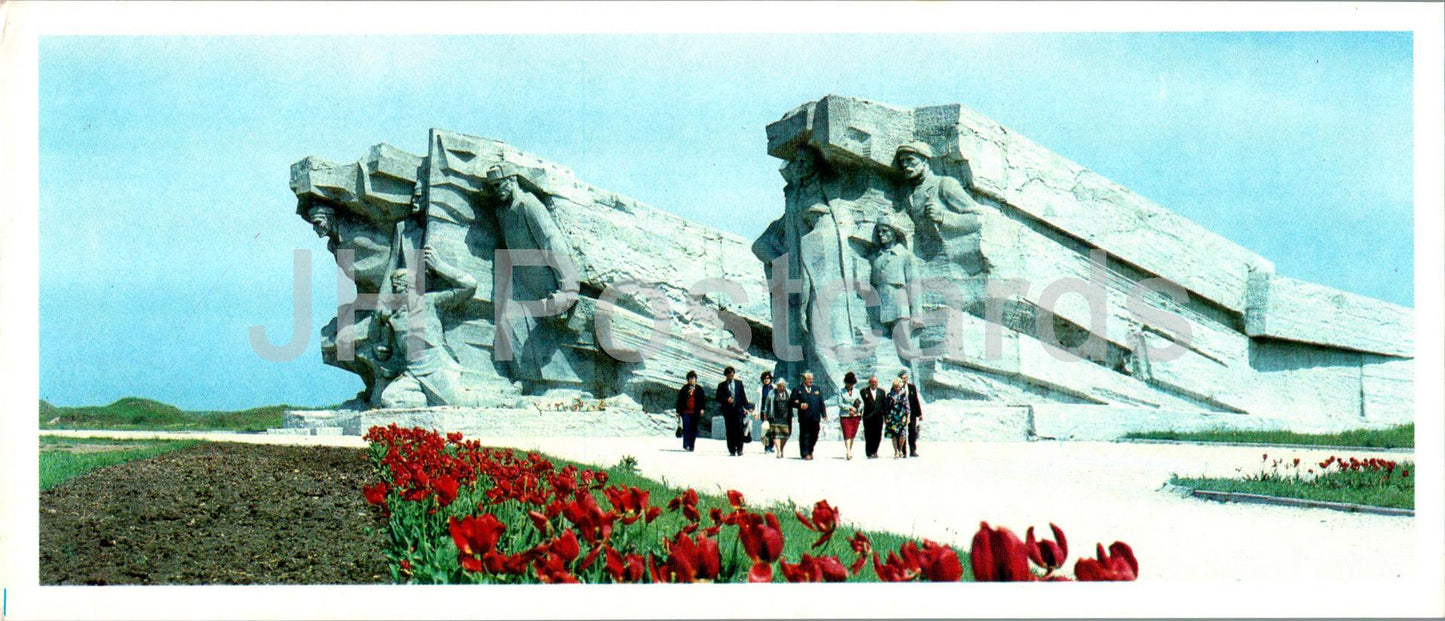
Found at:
[629, 502]
[997, 555]
[863, 548]
[475, 537]
[761, 572]
[552, 569]
[824, 522]
[894, 569]
[542, 524]
[1049, 555]
[626, 569]
[938, 563]
[375, 494]
[594, 525]
[762, 537]
[688, 560]
[1118, 565]
[735, 498]
[566, 546]
[446, 489]
[814, 569]
[688, 502]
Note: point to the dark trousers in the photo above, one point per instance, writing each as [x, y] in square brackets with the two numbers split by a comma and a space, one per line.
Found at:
[735, 432]
[807, 436]
[872, 435]
[689, 431]
[913, 435]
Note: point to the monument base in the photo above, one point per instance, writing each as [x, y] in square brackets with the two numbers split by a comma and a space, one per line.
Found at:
[484, 422]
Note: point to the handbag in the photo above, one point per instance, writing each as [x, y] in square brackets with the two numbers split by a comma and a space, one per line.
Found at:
[747, 435]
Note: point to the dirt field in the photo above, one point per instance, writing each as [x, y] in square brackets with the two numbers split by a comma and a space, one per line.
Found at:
[216, 514]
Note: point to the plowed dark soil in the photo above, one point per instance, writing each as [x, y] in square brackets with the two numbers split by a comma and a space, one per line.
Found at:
[216, 514]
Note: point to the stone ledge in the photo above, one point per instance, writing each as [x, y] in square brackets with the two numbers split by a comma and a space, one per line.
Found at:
[1296, 502]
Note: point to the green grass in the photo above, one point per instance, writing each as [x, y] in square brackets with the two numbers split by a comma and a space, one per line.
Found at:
[145, 414]
[1402, 436]
[1377, 488]
[62, 459]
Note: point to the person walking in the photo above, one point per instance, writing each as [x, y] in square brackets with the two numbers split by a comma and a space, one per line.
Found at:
[691, 403]
[915, 412]
[778, 409]
[808, 401]
[850, 404]
[732, 401]
[760, 417]
[896, 418]
[875, 405]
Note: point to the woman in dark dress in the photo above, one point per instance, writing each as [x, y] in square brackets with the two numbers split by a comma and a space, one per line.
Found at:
[895, 422]
[779, 416]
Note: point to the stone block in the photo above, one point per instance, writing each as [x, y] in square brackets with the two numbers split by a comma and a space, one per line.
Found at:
[1295, 310]
[1108, 216]
[1388, 390]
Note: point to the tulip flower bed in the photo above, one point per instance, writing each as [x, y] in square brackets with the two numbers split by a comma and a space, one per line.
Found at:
[1375, 482]
[458, 512]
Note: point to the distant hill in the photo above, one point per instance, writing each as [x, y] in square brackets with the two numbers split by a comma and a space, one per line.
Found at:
[149, 414]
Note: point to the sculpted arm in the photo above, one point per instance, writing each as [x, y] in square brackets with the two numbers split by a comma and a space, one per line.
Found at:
[463, 285]
[961, 213]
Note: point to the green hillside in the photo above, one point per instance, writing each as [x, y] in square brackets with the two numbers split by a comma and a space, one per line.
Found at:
[147, 414]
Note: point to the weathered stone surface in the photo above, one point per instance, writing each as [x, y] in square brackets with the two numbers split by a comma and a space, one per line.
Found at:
[877, 198]
[1045, 186]
[1295, 310]
[1387, 390]
[982, 207]
[537, 420]
[381, 212]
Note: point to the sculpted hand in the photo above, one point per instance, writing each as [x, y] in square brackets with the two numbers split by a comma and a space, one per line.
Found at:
[933, 211]
[429, 257]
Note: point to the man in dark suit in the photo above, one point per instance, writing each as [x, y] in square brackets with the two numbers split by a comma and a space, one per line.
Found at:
[807, 400]
[875, 405]
[691, 403]
[915, 413]
[767, 381]
[732, 401]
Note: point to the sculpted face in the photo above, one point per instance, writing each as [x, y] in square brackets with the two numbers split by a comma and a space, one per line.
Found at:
[913, 166]
[322, 221]
[401, 281]
[886, 236]
[506, 188]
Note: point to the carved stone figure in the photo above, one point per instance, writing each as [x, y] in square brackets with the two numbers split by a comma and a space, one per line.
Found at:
[526, 224]
[942, 211]
[425, 372]
[893, 271]
[830, 313]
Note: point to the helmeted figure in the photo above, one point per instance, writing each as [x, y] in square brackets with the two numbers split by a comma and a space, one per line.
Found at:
[812, 234]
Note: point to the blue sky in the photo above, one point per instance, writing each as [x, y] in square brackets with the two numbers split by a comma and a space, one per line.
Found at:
[167, 228]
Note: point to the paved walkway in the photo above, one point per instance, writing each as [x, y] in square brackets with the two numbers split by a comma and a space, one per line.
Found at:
[1095, 491]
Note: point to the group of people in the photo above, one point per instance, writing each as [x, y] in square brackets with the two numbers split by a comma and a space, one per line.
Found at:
[895, 413]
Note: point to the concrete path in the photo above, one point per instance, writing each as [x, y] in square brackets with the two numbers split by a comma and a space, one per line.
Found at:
[1095, 491]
